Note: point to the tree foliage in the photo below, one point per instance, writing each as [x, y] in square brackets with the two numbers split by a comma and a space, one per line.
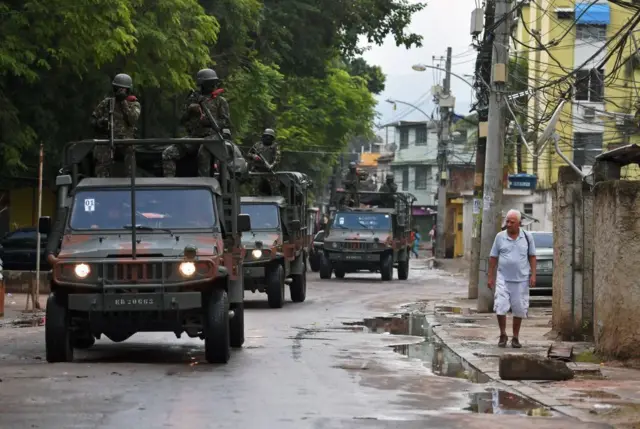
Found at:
[292, 65]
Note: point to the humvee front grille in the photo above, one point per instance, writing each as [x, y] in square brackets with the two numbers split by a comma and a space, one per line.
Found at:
[151, 272]
[357, 245]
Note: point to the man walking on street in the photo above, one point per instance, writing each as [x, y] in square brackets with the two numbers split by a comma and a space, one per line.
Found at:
[512, 270]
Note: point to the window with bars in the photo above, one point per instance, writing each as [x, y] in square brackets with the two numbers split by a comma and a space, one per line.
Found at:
[404, 138]
[422, 177]
[528, 209]
[586, 146]
[591, 33]
[405, 179]
[421, 136]
[589, 85]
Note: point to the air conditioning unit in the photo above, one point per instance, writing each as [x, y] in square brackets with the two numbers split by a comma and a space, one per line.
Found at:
[589, 113]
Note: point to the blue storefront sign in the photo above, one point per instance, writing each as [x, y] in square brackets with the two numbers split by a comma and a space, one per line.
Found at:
[522, 181]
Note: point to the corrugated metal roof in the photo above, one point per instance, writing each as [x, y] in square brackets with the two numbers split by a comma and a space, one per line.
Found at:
[625, 155]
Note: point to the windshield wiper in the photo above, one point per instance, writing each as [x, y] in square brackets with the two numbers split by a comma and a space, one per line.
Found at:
[147, 228]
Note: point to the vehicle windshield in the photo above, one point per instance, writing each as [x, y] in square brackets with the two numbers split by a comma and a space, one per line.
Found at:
[155, 209]
[263, 216]
[362, 221]
[543, 240]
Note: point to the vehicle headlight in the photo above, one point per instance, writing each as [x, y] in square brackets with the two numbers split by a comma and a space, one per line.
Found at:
[334, 245]
[82, 270]
[256, 253]
[187, 269]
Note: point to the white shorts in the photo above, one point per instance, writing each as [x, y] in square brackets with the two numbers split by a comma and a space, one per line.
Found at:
[514, 295]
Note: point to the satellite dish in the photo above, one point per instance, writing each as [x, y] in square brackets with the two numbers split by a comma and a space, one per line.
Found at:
[550, 129]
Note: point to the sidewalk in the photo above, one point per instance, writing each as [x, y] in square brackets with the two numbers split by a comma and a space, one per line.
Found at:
[14, 304]
[605, 392]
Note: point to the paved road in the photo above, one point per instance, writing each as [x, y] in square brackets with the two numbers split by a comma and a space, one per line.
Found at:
[300, 368]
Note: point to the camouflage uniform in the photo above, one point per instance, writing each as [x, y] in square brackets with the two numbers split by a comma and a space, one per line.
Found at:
[352, 183]
[197, 124]
[265, 157]
[125, 116]
[388, 187]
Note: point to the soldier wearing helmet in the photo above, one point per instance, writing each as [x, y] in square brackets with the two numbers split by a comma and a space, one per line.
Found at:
[389, 187]
[352, 182]
[126, 111]
[265, 154]
[264, 157]
[198, 125]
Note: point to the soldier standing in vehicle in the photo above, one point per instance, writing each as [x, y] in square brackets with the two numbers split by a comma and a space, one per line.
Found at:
[198, 125]
[264, 157]
[266, 153]
[389, 187]
[126, 111]
[352, 183]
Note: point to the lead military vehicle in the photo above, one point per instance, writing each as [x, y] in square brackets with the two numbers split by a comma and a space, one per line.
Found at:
[375, 236]
[148, 254]
[278, 244]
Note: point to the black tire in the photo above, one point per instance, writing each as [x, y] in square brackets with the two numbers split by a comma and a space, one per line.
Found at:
[236, 326]
[57, 330]
[314, 262]
[386, 267]
[325, 268]
[217, 347]
[275, 287]
[84, 342]
[403, 269]
[298, 287]
[340, 273]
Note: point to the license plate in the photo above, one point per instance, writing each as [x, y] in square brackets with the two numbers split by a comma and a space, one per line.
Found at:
[353, 257]
[124, 302]
[545, 265]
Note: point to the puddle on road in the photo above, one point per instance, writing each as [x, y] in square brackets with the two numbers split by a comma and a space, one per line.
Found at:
[444, 362]
[455, 310]
[496, 401]
[436, 355]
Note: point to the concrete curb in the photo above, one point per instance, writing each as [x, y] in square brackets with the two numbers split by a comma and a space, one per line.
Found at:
[518, 387]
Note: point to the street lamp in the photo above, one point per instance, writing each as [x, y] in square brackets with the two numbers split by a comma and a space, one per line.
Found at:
[423, 67]
[391, 101]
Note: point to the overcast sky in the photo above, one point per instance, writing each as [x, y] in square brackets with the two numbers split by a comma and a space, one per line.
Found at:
[442, 23]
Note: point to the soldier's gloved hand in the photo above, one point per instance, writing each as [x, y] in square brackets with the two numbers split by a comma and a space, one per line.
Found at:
[194, 109]
[121, 94]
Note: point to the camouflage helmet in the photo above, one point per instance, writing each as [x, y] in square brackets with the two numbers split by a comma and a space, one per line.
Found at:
[122, 80]
[206, 76]
[390, 178]
[352, 165]
[269, 132]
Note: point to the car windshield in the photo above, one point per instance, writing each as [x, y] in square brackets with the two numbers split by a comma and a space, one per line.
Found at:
[155, 209]
[362, 221]
[543, 240]
[263, 216]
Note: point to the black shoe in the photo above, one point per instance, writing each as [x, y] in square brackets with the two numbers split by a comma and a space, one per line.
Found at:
[503, 341]
[515, 343]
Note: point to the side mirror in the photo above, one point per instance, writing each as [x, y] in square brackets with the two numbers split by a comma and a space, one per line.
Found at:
[44, 225]
[244, 223]
[295, 225]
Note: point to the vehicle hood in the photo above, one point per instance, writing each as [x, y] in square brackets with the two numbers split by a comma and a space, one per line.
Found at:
[338, 235]
[113, 245]
[268, 238]
[544, 253]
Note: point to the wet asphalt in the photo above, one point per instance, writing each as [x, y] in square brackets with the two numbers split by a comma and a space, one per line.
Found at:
[301, 367]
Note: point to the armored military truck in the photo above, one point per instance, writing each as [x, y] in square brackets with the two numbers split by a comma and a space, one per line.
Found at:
[375, 236]
[148, 254]
[278, 244]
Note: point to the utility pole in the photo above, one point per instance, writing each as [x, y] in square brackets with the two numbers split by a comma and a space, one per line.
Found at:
[483, 76]
[536, 94]
[445, 103]
[494, 162]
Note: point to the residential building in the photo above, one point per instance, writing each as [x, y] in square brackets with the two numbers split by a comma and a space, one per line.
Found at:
[600, 114]
[415, 167]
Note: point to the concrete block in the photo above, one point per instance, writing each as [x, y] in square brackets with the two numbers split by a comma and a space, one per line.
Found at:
[532, 367]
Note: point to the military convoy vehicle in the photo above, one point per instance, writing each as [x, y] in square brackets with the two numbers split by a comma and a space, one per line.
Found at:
[278, 244]
[375, 236]
[145, 254]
